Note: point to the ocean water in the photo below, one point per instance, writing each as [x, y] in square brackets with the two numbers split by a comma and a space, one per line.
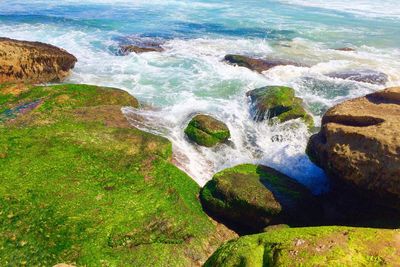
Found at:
[190, 77]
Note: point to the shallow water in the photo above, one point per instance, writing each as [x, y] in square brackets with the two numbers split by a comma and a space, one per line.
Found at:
[189, 76]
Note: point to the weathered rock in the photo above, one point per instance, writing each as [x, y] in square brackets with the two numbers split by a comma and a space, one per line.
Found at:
[253, 197]
[22, 61]
[257, 64]
[345, 49]
[126, 49]
[207, 131]
[278, 102]
[361, 75]
[359, 146]
[312, 246]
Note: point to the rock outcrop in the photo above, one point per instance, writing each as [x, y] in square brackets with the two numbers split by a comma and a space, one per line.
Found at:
[256, 64]
[35, 62]
[127, 49]
[345, 49]
[359, 146]
[253, 197]
[207, 131]
[76, 173]
[278, 102]
[313, 246]
[361, 75]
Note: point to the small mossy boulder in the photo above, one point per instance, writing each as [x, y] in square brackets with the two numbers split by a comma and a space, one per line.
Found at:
[252, 197]
[207, 131]
[313, 246]
[278, 102]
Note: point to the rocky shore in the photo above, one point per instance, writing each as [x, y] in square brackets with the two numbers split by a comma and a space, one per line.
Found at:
[82, 187]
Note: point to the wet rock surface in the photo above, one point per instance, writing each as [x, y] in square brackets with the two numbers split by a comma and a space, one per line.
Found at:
[257, 64]
[207, 131]
[277, 102]
[255, 196]
[361, 75]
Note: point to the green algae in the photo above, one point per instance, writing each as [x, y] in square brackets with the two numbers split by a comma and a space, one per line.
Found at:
[254, 196]
[312, 246]
[78, 185]
[207, 131]
[279, 102]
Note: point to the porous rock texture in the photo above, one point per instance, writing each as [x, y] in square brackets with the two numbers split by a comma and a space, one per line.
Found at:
[34, 62]
[359, 146]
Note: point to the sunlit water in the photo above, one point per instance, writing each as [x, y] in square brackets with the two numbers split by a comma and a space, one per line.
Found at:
[190, 77]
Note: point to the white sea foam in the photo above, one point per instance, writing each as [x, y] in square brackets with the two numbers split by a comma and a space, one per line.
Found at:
[385, 8]
[190, 77]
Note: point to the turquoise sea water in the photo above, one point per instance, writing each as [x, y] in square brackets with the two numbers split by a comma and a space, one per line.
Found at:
[189, 77]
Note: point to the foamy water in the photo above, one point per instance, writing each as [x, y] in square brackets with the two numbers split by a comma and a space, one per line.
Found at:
[189, 76]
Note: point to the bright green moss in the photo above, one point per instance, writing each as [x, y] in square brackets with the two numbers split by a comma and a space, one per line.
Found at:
[207, 131]
[79, 186]
[279, 102]
[313, 246]
[254, 196]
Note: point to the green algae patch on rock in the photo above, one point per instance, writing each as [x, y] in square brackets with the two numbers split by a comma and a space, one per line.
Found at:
[313, 246]
[79, 185]
[254, 196]
[278, 102]
[207, 131]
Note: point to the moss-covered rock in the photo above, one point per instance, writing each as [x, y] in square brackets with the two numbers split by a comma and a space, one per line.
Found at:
[79, 185]
[253, 197]
[278, 102]
[207, 131]
[313, 246]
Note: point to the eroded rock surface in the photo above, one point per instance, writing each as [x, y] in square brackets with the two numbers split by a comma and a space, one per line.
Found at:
[35, 62]
[359, 145]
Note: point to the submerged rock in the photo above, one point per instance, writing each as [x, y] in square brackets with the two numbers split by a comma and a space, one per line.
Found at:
[278, 102]
[207, 131]
[22, 61]
[313, 246]
[126, 49]
[345, 49]
[361, 75]
[359, 146]
[254, 197]
[256, 64]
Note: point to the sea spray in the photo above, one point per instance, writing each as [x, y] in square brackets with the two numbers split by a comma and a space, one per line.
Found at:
[190, 75]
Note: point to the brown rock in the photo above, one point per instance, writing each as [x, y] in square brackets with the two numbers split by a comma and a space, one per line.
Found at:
[361, 75]
[126, 49]
[345, 49]
[22, 61]
[359, 146]
[257, 64]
